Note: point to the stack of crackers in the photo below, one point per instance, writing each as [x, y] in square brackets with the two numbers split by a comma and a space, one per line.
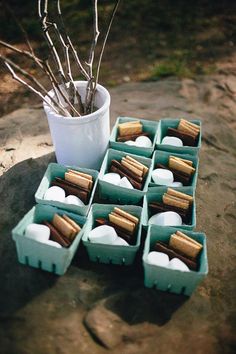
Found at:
[183, 247]
[130, 131]
[132, 169]
[63, 229]
[176, 201]
[186, 131]
[182, 169]
[75, 183]
[124, 223]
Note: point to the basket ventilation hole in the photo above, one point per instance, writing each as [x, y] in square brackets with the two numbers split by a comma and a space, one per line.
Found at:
[40, 264]
[26, 260]
[54, 268]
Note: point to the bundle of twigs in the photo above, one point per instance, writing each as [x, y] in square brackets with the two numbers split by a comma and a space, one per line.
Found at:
[66, 100]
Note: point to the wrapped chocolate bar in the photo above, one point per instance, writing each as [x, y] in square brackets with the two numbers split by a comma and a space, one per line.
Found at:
[135, 136]
[47, 238]
[165, 206]
[69, 188]
[112, 233]
[180, 135]
[174, 260]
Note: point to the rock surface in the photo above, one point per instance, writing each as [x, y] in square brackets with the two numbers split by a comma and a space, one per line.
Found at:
[42, 313]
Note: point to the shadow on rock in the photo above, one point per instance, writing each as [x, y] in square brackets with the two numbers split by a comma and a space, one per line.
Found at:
[19, 284]
[157, 306]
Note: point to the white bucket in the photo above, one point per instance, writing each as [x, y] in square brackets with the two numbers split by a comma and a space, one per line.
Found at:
[82, 141]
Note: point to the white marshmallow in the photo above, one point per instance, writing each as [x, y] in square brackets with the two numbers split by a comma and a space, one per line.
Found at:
[172, 140]
[120, 242]
[176, 184]
[177, 264]
[167, 218]
[143, 141]
[52, 243]
[113, 178]
[103, 234]
[72, 199]
[124, 182]
[162, 177]
[130, 142]
[55, 193]
[158, 259]
[37, 232]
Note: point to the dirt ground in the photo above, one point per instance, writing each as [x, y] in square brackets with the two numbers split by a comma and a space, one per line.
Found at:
[106, 309]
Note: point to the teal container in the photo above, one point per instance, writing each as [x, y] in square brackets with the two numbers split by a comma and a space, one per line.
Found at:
[162, 157]
[165, 279]
[150, 127]
[155, 194]
[117, 194]
[56, 170]
[39, 255]
[109, 254]
[173, 123]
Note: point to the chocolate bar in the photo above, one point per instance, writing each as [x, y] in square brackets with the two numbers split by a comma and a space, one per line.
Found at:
[178, 176]
[186, 138]
[127, 236]
[163, 247]
[56, 236]
[70, 188]
[131, 174]
[130, 137]
[158, 207]
[134, 183]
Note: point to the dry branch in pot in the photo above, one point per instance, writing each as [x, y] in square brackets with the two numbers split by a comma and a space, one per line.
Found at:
[66, 99]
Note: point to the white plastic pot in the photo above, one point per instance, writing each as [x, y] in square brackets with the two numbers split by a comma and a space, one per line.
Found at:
[82, 141]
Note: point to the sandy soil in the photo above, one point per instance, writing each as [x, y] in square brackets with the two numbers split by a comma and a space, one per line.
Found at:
[42, 313]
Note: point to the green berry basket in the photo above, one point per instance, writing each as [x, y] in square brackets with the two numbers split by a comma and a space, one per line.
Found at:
[56, 170]
[111, 254]
[162, 157]
[166, 279]
[156, 193]
[173, 123]
[117, 194]
[39, 255]
[150, 127]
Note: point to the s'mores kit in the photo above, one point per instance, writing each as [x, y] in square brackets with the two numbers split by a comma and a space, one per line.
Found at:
[124, 178]
[135, 136]
[69, 188]
[112, 234]
[174, 260]
[165, 206]
[174, 170]
[180, 136]
[47, 238]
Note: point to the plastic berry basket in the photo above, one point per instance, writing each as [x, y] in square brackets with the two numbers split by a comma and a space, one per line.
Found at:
[162, 157]
[111, 254]
[117, 194]
[56, 170]
[150, 127]
[170, 280]
[39, 255]
[173, 123]
[156, 193]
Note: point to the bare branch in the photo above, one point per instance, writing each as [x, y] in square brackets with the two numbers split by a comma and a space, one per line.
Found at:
[17, 78]
[69, 42]
[105, 40]
[61, 109]
[89, 88]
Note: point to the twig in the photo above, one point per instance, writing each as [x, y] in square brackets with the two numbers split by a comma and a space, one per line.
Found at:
[96, 33]
[37, 83]
[69, 42]
[17, 78]
[105, 40]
